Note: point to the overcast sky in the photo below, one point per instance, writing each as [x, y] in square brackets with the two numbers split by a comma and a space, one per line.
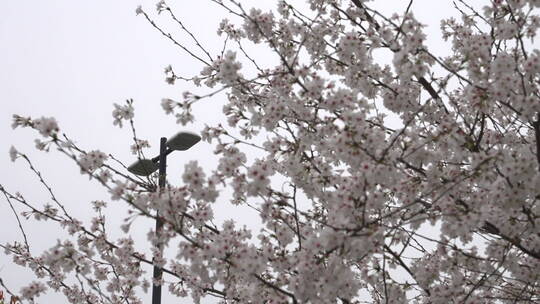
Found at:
[72, 60]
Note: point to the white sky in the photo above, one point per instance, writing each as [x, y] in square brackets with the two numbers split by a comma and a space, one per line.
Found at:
[72, 59]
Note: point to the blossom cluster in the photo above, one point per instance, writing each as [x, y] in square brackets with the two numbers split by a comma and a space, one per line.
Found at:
[120, 113]
[410, 180]
[92, 161]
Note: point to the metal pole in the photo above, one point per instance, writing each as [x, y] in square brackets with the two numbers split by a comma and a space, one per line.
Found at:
[158, 272]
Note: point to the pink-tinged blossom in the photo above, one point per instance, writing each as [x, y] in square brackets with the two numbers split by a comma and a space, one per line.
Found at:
[201, 214]
[168, 69]
[412, 178]
[33, 290]
[91, 161]
[168, 105]
[41, 145]
[259, 175]
[230, 162]
[230, 30]
[184, 117]
[193, 176]
[139, 145]
[13, 153]
[20, 121]
[46, 126]
[121, 113]
[258, 25]
[118, 190]
[352, 48]
[161, 6]
[228, 68]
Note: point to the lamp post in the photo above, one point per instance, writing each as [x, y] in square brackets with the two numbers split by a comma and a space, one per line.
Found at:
[144, 167]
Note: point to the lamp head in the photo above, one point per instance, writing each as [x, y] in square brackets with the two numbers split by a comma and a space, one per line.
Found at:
[183, 141]
[143, 167]
[180, 142]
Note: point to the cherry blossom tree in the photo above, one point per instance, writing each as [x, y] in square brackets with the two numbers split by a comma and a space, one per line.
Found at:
[404, 178]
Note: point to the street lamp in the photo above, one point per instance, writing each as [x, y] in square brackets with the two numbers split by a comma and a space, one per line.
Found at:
[144, 167]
